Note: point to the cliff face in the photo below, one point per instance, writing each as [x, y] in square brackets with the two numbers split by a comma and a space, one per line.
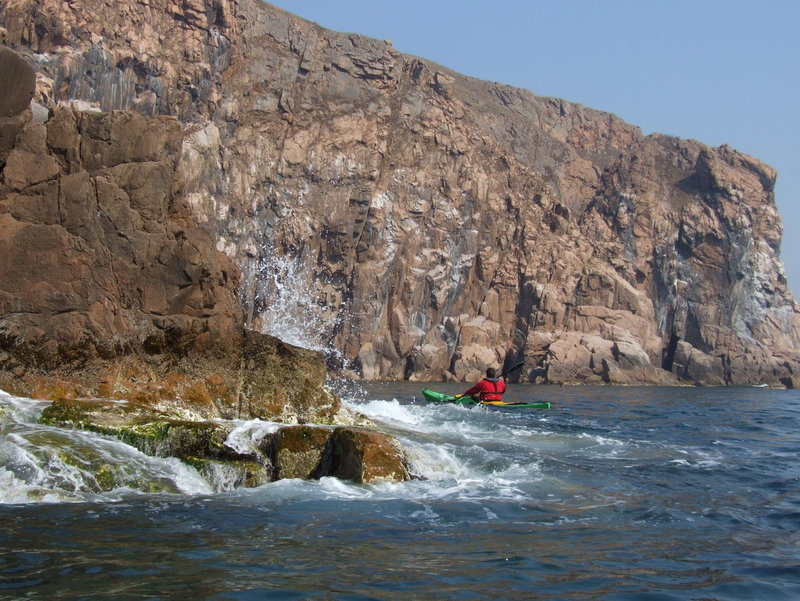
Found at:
[111, 288]
[440, 223]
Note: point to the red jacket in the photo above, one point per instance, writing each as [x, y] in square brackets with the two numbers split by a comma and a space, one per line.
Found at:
[488, 389]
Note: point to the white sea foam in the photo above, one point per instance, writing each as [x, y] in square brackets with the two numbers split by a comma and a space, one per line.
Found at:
[40, 463]
[333, 487]
[602, 440]
[247, 435]
[699, 462]
[426, 515]
[20, 409]
[451, 421]
[392, 412]
[436, 462]
[459, 454]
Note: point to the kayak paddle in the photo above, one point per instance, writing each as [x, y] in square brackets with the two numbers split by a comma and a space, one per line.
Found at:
[512, 368]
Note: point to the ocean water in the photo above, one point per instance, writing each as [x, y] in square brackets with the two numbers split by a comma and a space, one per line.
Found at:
[613, 494]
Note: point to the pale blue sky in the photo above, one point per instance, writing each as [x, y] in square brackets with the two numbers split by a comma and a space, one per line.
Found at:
[718, 71]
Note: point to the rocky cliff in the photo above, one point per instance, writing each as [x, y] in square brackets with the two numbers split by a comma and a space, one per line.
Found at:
[441, 224]
[109, 285]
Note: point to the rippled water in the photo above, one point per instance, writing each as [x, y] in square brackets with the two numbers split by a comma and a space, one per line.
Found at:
[614, 494]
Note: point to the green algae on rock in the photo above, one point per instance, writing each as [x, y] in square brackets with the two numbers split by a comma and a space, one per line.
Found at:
[290, 451]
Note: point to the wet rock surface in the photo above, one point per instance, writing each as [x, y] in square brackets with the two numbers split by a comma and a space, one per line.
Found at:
[110, 289]
[256, 457]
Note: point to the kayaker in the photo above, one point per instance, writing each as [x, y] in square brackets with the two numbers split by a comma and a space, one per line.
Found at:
[491, 388]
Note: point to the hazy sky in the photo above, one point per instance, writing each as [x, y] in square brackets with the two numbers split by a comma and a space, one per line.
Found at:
[717, 71]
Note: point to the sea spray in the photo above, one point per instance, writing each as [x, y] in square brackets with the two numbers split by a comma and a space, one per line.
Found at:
[281, 299]
[283, 303]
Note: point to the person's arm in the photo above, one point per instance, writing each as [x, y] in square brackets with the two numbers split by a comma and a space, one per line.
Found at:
[474, 390]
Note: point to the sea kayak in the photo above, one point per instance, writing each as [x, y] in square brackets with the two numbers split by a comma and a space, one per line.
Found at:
[440, 397]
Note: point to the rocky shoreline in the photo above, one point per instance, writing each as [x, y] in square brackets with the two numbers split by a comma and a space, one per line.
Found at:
[119, 309]
[441, 224]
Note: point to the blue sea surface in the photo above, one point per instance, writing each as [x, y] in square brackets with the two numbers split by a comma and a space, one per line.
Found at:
[613, 494]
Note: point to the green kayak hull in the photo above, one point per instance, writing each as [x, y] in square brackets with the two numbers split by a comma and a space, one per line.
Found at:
[439, 397]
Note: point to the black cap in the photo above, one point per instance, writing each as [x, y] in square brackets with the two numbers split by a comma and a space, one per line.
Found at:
[491, 373]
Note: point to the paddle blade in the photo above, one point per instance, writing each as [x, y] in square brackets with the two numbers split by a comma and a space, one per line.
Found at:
[513, 368]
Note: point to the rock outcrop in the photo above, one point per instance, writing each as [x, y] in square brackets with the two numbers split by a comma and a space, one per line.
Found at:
[110, 289]
[264, 453]
[441, 224]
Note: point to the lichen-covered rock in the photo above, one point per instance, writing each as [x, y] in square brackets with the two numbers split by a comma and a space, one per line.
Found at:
[200, 444]
[151, 431]
[285, 383]
[298, 451]
[351, 453]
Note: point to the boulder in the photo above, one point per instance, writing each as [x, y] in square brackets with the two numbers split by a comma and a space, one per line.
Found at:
[299, 451]
[19, 84]
[696, 366]
[366, 456]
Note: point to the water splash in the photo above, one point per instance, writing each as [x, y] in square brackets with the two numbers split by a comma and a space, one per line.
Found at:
[246, 437]
[40, 463]
[282, 300]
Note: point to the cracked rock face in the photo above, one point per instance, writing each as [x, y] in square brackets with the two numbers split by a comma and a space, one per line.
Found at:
[439, 223]
[110, 287]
